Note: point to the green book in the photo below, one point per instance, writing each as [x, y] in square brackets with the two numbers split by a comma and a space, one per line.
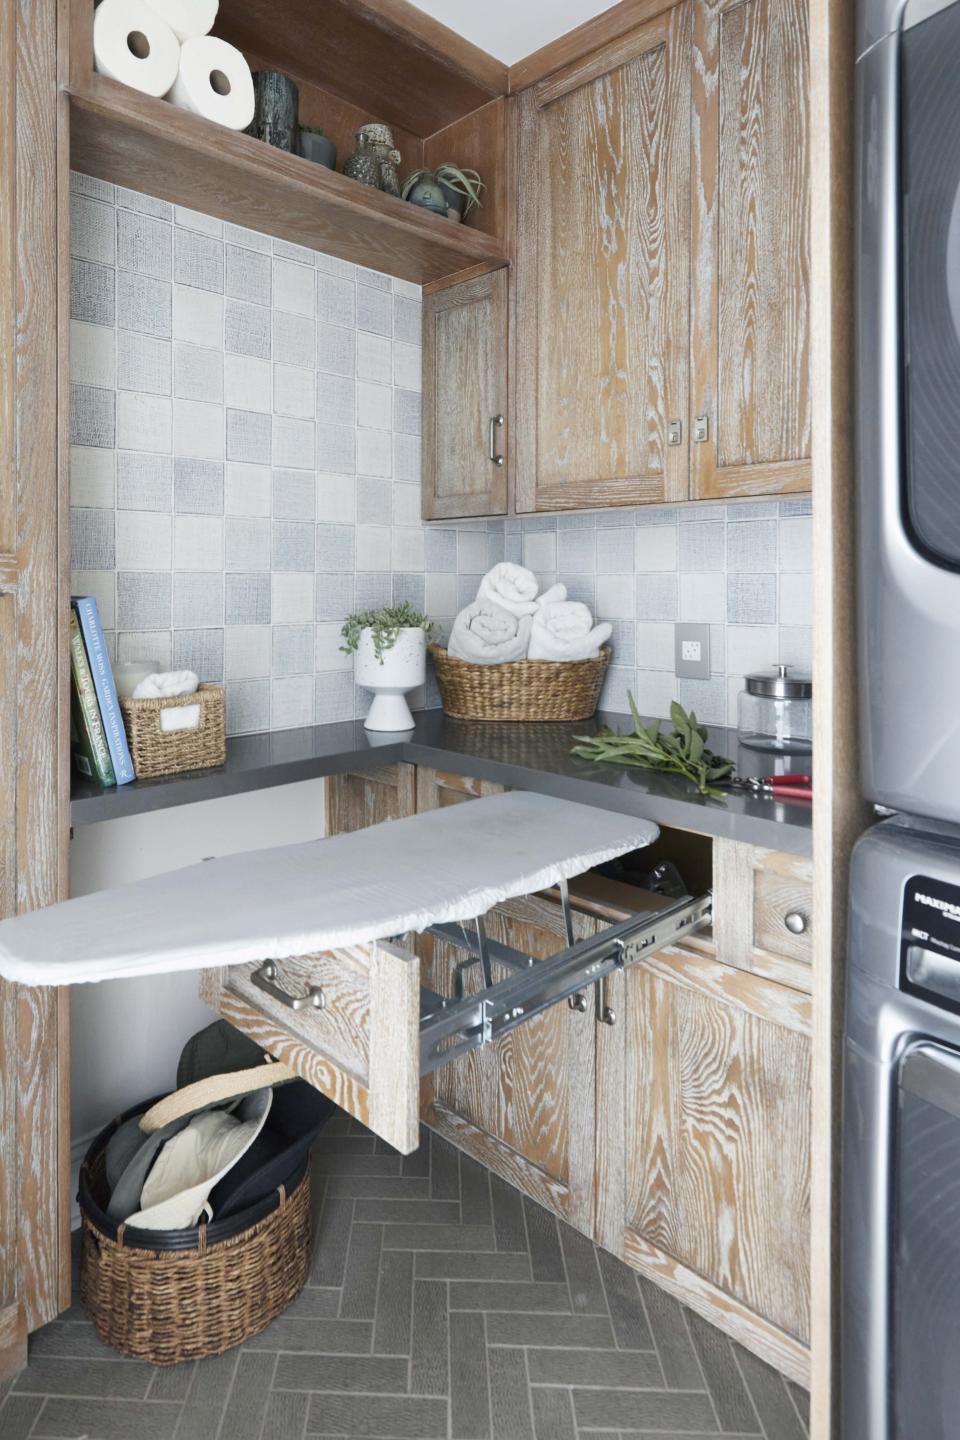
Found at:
[91, 754]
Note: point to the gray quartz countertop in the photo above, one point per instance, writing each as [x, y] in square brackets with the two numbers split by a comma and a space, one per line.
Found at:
[525, 756]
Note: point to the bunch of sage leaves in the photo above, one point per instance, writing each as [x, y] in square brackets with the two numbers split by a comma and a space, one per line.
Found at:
[681, 752]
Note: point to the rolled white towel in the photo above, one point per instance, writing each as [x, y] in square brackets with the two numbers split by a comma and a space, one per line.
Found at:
[512, 587]
[553, 596]
[486, 634]
[565, 631]
[167, 683]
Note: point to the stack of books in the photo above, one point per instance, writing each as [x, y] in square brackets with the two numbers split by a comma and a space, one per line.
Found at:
[98, 739]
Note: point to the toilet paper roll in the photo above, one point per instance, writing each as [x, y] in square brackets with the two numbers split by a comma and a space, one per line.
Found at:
[187, 18]
[214, 80]
[133, 45]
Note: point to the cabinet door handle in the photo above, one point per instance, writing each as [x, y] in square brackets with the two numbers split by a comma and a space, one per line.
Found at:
[266, 979]
[701, 429]
[605, 1015]
[795, 921]
[496, 423]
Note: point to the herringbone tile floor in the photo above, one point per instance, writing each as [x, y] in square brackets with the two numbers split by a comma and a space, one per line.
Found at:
[441, 1303]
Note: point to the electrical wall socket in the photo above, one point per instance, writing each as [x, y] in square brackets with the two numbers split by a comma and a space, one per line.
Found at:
[692, 652]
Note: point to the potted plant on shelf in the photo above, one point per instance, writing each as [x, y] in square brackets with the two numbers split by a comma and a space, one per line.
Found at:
[390, 646]
[317, 146]
[446, 190]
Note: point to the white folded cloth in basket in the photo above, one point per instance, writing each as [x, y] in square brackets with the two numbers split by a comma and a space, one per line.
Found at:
[166, 685]
[486, 634]
[565, 630]
[512, 587]
[553, 596]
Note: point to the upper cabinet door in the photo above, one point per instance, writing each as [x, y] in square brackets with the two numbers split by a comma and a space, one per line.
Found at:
[750, 324]
[465, 399]
[603, 275]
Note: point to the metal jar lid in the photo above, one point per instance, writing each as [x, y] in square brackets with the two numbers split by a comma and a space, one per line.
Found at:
[776, 684]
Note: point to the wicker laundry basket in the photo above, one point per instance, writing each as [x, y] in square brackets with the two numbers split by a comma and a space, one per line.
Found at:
[521, 689]
[170, 752]
[173, 1295]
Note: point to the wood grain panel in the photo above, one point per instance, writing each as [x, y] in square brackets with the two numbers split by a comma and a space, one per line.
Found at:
[750, 330]
[585, 39]
[120, 135]
[42, 1127]
[478, 140]
[778, 891]
[342, 1028]
[728, 1314]
[13, 1341]
[364, 798]
[464, 385]
[504, 1161]
[717, 1165]
[342, 1086]
[839, 812]
[602, 285]
[385, 56]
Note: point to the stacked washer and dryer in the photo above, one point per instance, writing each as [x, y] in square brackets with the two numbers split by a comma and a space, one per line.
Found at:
[901, 1170]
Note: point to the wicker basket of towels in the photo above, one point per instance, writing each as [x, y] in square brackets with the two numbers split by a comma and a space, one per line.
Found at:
[520, 689]
[156, 751]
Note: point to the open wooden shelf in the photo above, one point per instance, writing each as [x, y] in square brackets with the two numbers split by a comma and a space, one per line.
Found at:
[119, 135]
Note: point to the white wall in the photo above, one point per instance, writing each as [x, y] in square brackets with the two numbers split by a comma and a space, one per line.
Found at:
[126, 1035]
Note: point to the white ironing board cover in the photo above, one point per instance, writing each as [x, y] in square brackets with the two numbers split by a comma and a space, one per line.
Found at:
[444, 865]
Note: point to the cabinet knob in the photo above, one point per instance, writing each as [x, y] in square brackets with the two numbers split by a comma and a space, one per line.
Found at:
[701, 429]
[795, 921]
[496, 423]
[578, 1002]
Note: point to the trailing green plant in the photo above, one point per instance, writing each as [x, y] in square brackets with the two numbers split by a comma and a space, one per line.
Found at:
[313, 130]
[386, 624]
[682, 752]
[465, 182]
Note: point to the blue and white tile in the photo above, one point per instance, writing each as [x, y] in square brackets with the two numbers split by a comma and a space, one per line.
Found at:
[540, 552]
[407, 366]
[374, 360]
[374, 310]
[197, 486]
[294, 546]
[294, 443]
[293, 597]
[407, 458]
[93, 355]
[198, 429]
[246, 651]
[102, 585]
[248, 707]
[656, 546]
[294, 287]
[247, 489]
[655, 645]
[655, 691]
[374, 452]
[144, 363]
[701, 547]
[707, 698]
[144, 422]
[336, 547]
[373, 547]
[197, 542]
[336, 449]
[200, 651]
[334, 697]
[144, 245]
[751, 599]
[92, 478]
[702, 596]
[295, 498]
[143, 600]
[294, 391]
[294, 340]
[337, 499]
[336, 300]
[247, 599]
[291, 702]
[751, 647]
[752, 546]
[407, 320]
[197, 260]
[656, 597]
[796, 543]
[293, 647]
[247, 275]
[796, 599]
[93, 293]
[144, 482]
[144, 540]
[247, 329]
[408, 550]
[249, 437]
[247, 383]
[198, 598]
[406, 504]
[198, 373]
[93, 419]
[796, 647]
[328, 654]
[92, 539]
[374, 405]
[150, 647]
[198, 317]
[616, 597]
[616, 552]
[92, 230]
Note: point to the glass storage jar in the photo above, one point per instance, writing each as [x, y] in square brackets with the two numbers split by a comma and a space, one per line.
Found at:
[775, 712]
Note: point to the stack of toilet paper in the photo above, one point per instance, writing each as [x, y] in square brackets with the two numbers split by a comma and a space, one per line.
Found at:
[163, 47]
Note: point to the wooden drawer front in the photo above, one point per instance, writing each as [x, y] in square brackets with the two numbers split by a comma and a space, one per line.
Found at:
[367, 797]
[362, 1049]
[782, 891]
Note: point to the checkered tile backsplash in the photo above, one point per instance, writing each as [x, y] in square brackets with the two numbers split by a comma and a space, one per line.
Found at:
[245, 447]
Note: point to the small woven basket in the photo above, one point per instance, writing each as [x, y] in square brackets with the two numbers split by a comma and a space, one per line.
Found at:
[169, 752]
[168, 1305]
[521, 689]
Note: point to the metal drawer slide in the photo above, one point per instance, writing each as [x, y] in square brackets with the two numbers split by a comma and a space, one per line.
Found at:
[451, 1028]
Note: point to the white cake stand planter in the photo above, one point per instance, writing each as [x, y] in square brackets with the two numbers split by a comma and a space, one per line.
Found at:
[404, 668]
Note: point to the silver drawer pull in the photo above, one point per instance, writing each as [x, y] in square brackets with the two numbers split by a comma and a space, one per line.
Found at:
[796, 922]
[496, 423]
[265, 979]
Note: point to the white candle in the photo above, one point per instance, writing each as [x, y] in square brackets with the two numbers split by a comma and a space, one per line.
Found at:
[128, 675]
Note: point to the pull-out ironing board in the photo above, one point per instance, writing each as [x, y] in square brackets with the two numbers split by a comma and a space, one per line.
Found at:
[296, 943]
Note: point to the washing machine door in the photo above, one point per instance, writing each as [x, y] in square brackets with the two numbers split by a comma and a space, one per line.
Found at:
[926, 1260]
